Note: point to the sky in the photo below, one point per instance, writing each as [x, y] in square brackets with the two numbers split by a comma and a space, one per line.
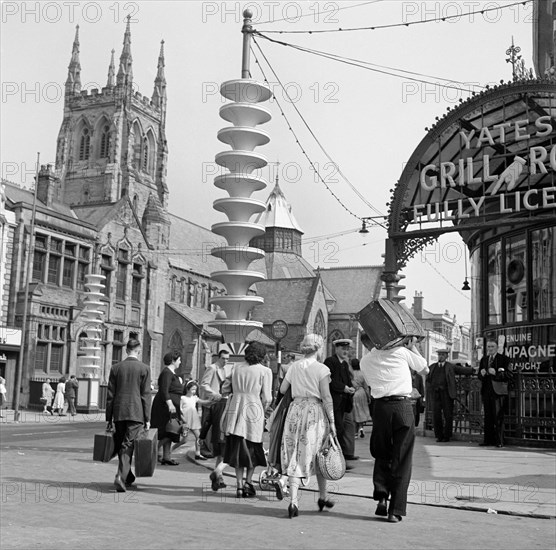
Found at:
[368, 122]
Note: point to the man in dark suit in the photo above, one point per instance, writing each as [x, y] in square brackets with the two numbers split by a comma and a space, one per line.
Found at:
[494, 374]
[128, 405]
[70, 393]
[442, 383]
[341, 389]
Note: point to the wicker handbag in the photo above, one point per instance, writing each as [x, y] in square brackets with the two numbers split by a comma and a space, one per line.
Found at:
[330, 459]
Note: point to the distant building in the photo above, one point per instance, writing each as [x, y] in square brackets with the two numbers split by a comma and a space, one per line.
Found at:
[442, 332]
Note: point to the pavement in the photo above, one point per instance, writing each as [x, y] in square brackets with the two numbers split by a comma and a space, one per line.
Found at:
[519, 481]
[511, 480]
[49, 485]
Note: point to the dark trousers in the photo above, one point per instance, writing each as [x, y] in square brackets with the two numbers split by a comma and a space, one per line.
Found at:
[71, 405]
[493, 405]
[392, 441]
[349, 434]
[339, 411]
[126, 432]
[442, 413]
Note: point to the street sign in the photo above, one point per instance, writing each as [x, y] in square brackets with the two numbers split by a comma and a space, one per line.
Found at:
[279, 329]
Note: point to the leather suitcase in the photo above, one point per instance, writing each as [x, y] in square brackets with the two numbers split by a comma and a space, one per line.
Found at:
[387, 323]
[145, 451]
[103, 449]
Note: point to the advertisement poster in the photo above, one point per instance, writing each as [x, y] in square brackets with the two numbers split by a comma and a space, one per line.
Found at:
[530, 349]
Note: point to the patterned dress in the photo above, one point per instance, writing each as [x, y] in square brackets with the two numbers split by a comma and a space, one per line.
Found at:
[360, 398]
[306, 425]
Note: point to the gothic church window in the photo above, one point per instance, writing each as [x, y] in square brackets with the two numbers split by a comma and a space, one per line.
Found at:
[105, 142]
[319, 324]
[85, 144]
[145, 165]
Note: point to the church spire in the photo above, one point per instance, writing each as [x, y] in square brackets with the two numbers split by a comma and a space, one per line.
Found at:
[159, 92]
[73, 82]
[125, 72]
[111, 82]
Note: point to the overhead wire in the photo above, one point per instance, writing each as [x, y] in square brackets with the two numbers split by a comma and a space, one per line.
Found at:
[317, 141]
[447, 281]
[373, 66]
[406, 24]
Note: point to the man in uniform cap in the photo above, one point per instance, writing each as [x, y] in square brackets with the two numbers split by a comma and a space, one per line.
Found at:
[341, 388]
[442, 383]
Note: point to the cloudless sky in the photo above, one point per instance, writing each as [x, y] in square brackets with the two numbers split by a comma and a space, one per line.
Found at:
[368, 122]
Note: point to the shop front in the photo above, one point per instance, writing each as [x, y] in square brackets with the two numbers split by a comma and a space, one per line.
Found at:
[487, 170]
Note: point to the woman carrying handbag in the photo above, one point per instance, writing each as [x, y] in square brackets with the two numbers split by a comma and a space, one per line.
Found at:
[309, 421]
[165, 412]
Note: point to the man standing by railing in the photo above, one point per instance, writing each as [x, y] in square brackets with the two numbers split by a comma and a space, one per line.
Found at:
[442, 383]
[494, 375]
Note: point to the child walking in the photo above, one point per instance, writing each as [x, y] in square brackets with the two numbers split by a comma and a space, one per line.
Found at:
[190, 416]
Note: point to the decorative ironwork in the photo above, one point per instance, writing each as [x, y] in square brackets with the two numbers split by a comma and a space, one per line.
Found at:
[530, 409]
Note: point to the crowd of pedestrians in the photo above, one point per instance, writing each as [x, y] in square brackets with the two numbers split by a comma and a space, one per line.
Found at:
[317, 399]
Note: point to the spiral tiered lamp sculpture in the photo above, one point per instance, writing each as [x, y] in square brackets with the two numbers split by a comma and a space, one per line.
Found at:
[93, 321]
[240, 182]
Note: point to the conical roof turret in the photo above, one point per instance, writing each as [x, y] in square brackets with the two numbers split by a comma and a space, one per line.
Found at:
[278, 212]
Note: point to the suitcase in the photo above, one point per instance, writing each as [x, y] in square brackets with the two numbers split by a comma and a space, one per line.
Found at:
[146, 450]
[103, 449]
[387, 323]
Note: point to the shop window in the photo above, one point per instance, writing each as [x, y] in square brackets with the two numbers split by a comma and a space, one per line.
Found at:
[49, 352]
[40, 356]
[516, 279]
[494, 281]
[543, 272]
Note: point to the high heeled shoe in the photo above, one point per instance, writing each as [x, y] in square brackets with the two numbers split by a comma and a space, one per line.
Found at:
[322, 503]
[248, 490]
[293, 511]
[240, 493]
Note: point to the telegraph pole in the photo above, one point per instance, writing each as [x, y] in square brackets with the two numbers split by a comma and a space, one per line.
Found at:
[19, 369]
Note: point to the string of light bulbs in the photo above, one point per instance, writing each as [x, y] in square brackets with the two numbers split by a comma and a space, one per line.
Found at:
[374, 67]
[313, 167]
[406, 24]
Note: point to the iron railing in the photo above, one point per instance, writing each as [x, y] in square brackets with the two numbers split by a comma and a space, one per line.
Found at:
[530, 417]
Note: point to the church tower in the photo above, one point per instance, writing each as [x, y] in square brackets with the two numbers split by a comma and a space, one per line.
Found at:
[112, 142]
[282, 239]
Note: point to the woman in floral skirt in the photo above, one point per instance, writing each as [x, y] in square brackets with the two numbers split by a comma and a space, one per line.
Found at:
[309, 421]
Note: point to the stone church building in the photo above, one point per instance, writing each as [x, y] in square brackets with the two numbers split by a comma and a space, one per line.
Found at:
[103, 208]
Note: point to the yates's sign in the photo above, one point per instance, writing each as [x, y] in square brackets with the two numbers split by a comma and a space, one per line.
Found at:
[469, 172]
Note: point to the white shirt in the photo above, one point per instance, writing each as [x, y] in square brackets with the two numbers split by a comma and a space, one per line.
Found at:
[387, 371]
[305, 376]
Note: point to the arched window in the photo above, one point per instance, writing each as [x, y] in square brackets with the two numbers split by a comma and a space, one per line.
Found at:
[176, 342]
[135, 203]
[85, 144]
[145, 164]
[105, 142]
[319, 324]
